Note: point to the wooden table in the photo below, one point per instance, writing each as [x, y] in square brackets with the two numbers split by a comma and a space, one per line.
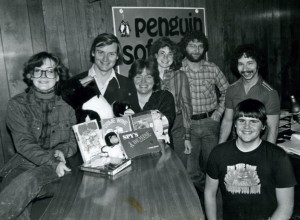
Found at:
[156, 187]
[286, 142]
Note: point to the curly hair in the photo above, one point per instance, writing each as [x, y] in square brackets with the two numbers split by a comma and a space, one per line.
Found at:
[167, 42]
[250, 51]
[106, 39]
[192, 36]
[150, 65]
[37, 60]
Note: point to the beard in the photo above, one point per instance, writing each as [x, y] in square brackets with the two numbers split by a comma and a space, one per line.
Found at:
[193, 59]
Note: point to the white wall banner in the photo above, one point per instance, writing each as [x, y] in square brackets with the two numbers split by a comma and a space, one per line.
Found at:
[138, 27]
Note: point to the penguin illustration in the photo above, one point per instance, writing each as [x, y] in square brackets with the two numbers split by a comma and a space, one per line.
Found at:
[127, 29]
[122, 28]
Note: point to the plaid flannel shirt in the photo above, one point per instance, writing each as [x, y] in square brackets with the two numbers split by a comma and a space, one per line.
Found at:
[203, 85]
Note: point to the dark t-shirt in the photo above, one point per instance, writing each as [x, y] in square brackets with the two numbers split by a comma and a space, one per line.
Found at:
[248, 179]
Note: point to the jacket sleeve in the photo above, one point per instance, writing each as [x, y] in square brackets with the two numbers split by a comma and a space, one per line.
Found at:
[222, 85]
[186, 105]
[167, 106]
[24, 140]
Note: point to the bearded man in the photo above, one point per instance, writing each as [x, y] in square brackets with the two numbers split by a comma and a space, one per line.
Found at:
[208, 106]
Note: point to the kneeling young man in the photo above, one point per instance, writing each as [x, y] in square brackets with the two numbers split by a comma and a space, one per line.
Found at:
[255, 177]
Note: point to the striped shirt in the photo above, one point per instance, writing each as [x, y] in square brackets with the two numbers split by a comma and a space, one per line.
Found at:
[261, 91]
[203, 84]
[177, 83]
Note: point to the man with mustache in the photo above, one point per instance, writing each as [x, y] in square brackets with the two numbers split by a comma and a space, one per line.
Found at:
[204, 78]
[248, 62]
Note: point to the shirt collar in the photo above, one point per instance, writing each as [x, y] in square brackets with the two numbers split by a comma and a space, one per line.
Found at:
[92, 73]
[259, 81]
[186, 67]
[31, 99]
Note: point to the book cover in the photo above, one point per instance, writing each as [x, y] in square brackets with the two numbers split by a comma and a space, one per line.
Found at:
[89, 139]
[117, 125]
[142, 120]
[91, 176]
[139, 142]
[110, 168]
[152, 119]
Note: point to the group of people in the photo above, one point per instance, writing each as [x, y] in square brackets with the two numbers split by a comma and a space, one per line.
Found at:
[255, 176]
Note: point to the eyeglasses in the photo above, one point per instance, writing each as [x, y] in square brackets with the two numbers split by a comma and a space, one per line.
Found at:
[195, 46]
[139, 78]
[49, 73]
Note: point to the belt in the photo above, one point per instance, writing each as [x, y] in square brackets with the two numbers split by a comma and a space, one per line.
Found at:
[202, 115]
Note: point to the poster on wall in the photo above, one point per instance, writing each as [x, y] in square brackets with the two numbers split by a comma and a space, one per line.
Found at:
[138, 27]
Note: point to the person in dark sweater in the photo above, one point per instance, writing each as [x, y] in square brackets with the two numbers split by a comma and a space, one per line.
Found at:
[145, 76]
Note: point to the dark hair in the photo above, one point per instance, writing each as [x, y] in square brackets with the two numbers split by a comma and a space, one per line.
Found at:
[150, 65]
[37, 60]
[108, 136]
[251, 51]
[106, 39]
[192, 36]
[167, 42]
[251, 108]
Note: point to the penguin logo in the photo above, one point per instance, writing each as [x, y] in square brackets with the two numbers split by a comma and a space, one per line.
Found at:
[124, 29]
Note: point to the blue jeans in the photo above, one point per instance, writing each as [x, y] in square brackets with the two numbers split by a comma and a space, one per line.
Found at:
[23, 182]
[177, 139]
[204, 137]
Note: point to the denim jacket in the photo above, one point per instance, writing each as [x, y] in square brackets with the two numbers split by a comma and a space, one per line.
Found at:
[24, 119]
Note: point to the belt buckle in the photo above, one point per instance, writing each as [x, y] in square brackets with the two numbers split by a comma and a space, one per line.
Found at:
[204, 115]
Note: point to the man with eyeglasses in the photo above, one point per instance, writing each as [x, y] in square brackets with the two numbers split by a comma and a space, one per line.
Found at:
[204, 77]
[101, 78]
[255, 176]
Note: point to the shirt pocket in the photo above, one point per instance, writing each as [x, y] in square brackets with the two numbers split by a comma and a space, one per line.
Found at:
[61, 132]
[206, 87]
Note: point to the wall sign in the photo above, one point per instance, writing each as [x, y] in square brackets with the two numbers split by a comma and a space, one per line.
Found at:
[138, 27]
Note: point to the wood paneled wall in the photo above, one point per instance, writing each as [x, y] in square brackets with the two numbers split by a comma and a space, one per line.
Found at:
[67, 28]
[273, 25]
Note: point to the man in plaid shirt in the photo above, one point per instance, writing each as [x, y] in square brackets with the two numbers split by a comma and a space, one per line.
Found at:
[208, 107]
